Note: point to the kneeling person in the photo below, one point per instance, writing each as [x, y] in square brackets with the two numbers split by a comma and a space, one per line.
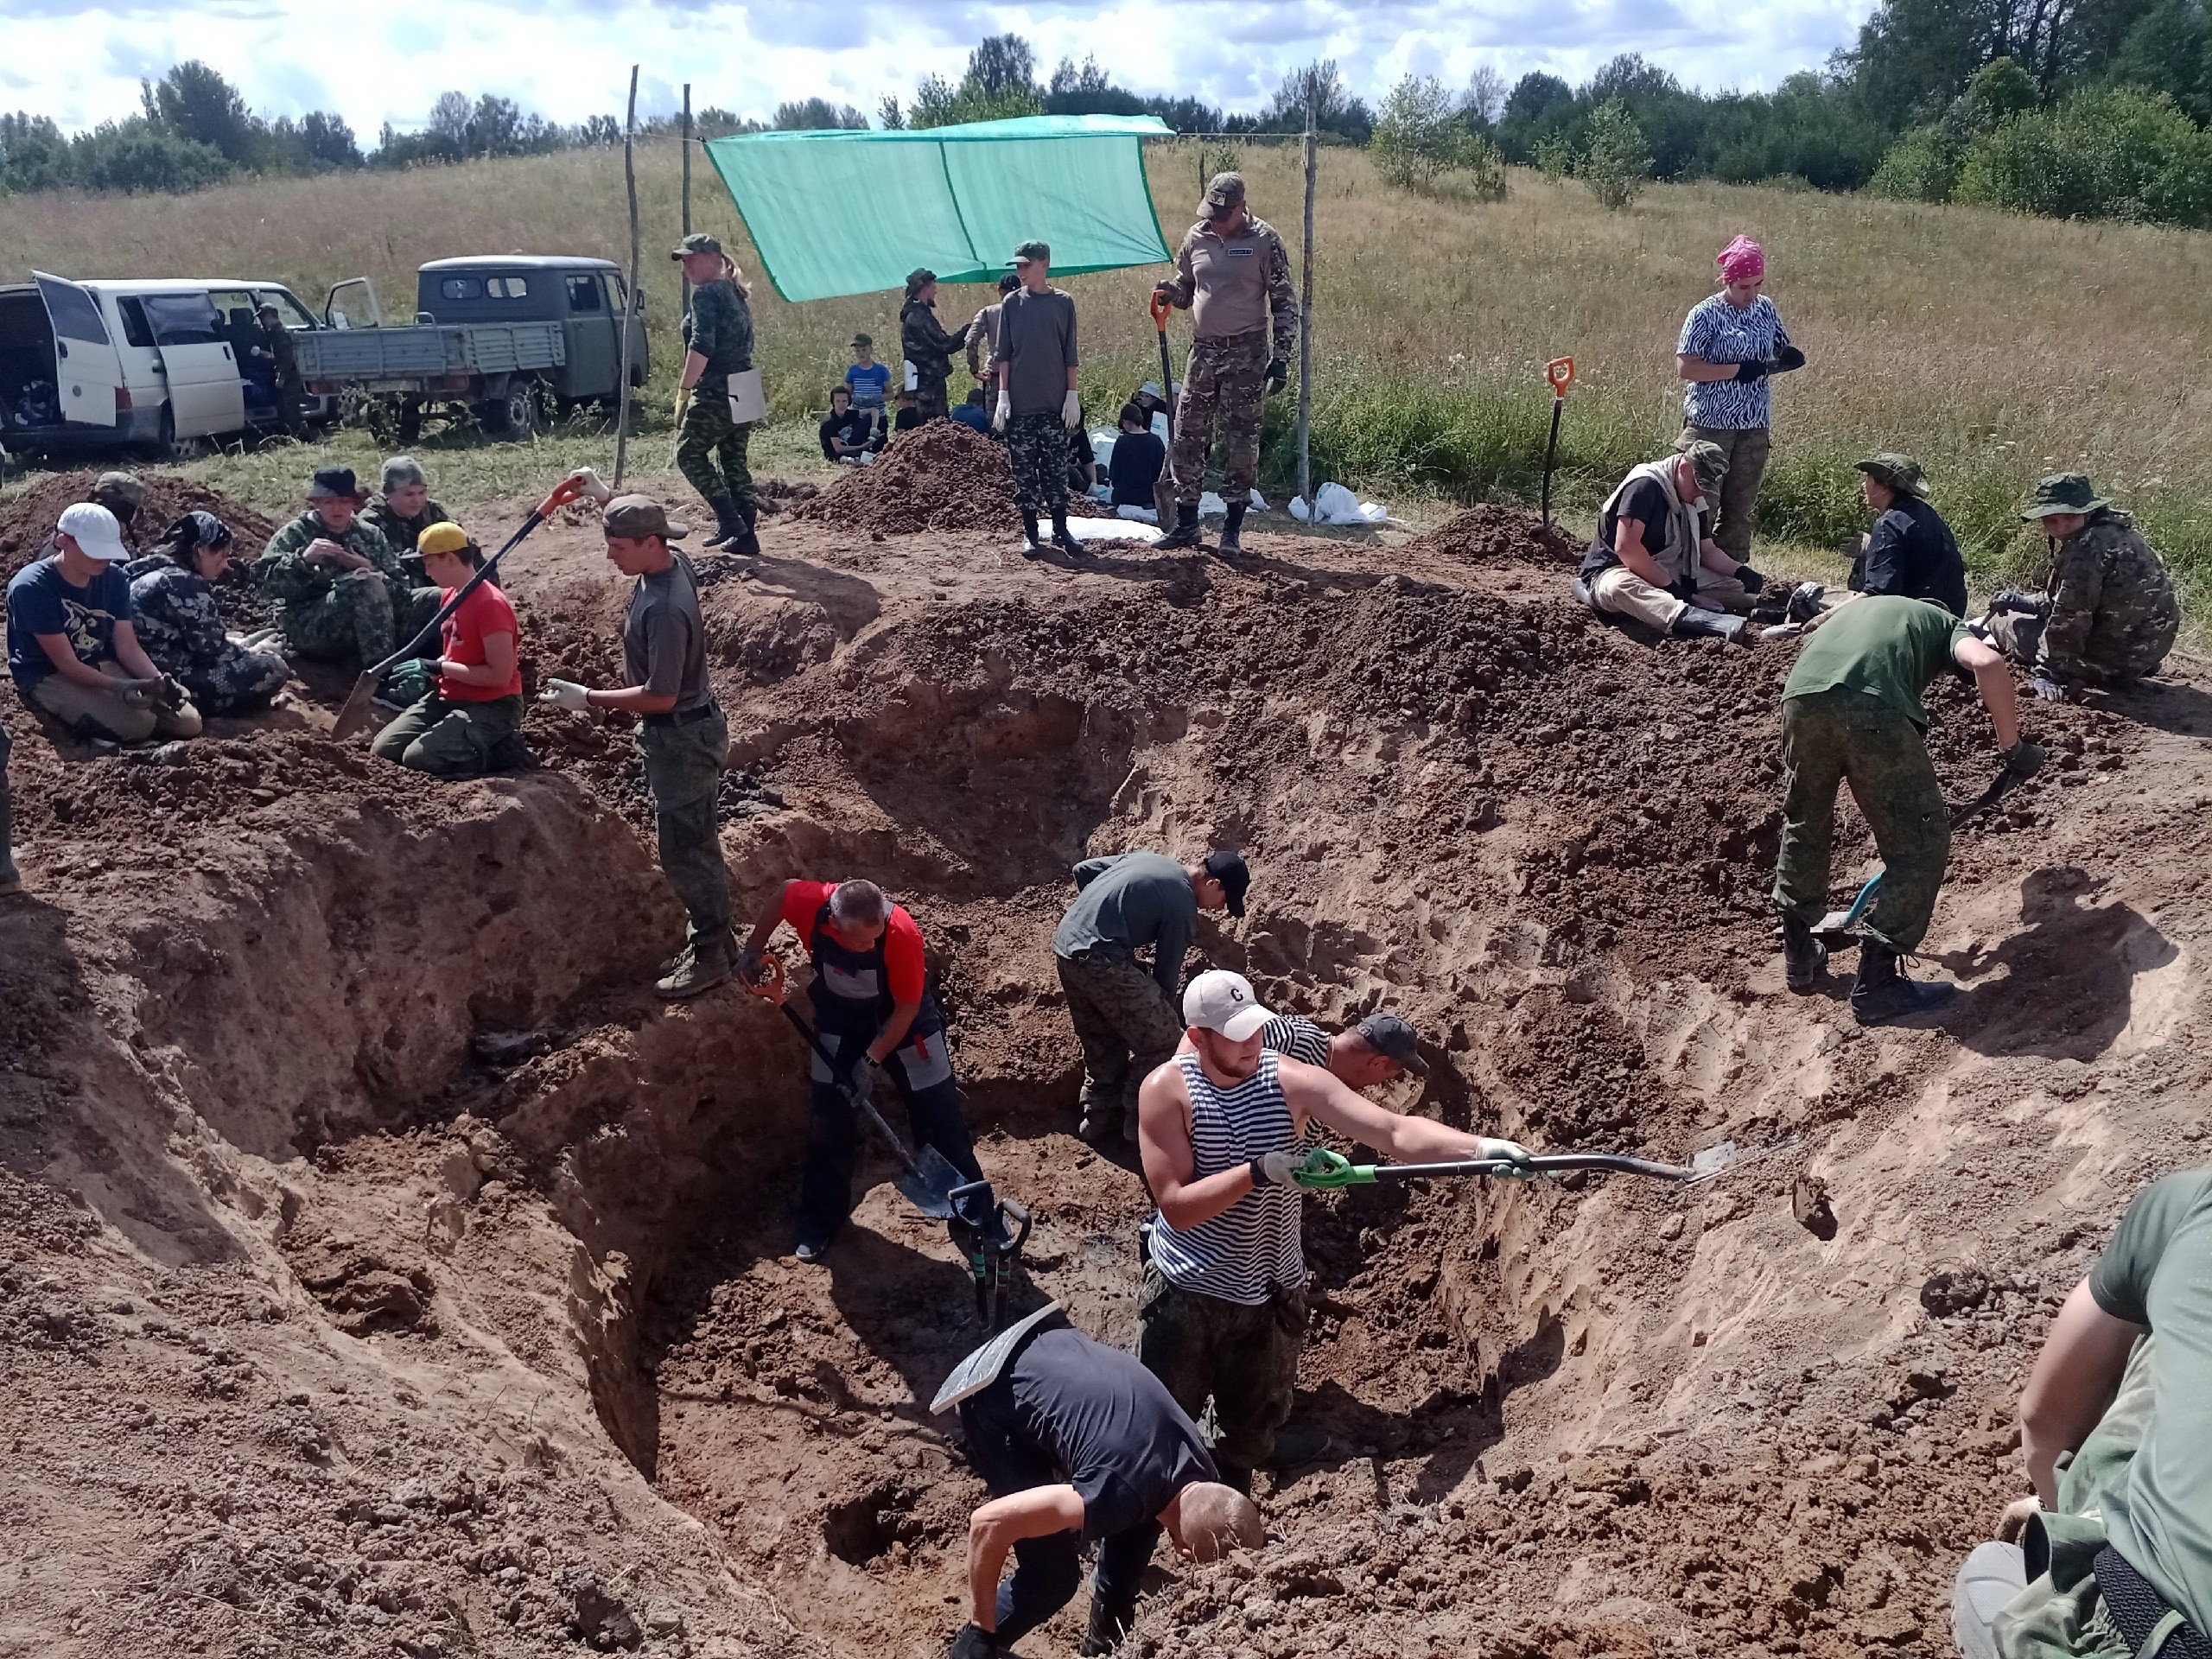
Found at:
[172, 611]
[1221, 1130]
[2107, 616]
[1079, 1443]
[340, 591]
[1653, 559]
[872, 1002]
[471, 721]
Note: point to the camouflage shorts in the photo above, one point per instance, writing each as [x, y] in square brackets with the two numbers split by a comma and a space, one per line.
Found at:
[1037, 445]
[1224, 389]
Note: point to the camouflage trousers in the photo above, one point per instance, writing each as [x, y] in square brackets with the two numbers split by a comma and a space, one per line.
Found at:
[930, 400]
[1224, 387]
[449, 739]
[1746, 449]
[237, 681]
[1124, 1024]
[1037, 445]
[1831, 737]
[683, 775]
[710, 450]
[362, 617]
[1243, 1359]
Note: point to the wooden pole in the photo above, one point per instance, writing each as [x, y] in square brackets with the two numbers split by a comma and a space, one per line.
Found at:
[1305, 316]
[630, 312]
[686, 281]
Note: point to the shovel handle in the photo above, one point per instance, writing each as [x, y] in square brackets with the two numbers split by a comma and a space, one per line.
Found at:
[564, 492]
[1159, 308]
[1560, 372]
[769, 987]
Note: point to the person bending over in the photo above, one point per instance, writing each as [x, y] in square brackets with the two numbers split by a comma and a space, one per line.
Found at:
[173, 612]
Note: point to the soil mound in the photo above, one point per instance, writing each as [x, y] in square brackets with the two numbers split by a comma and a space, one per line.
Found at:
[26, 521]
[941, 476]
[1491, 531]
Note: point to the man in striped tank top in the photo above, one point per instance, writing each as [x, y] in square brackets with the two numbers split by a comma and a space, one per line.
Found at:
[1381, 1048]
[1222, 1129]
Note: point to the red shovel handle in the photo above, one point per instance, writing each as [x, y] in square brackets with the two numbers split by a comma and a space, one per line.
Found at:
[769, 987]
[564, 492]
[1159, 310]
[1560, 372]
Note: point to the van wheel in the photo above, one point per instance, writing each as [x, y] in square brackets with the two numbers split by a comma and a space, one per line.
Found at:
[164, 447]
[513, 415]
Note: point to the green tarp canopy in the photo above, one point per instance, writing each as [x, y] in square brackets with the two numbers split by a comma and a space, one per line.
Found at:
[852, 213]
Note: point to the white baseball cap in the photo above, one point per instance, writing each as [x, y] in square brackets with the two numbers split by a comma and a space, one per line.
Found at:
[1219, 1000]
[92, 527]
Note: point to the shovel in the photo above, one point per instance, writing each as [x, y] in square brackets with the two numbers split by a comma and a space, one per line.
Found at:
[1159, 310]
[355, 713]
[1324, 1169]
[1841, 921]
[928, 1180]
[1560, 372]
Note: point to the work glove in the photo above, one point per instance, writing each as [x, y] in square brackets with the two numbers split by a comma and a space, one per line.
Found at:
[1278, 374]
[137, 693]
[2022, 761]
[1277, 1169]
[1755, 370]
[565, 694]
[1752, 580]
[2045, 687]
[1071, 409]
[1787, 359]
[973, 1642]
[2020, 604]
[748, 964]
[863, 1074]
[167, 693]
[1683, 587]
[1321, 1170]
[1514, 1153]
[1004, 412]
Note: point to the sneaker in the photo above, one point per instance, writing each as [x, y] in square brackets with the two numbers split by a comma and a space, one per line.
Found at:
[1098, 1124]
[695, 974]
[811, 1251]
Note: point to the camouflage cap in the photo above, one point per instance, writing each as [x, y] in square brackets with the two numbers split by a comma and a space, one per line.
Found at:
[1708, 460]
[697, 242]
[863, 342]
[633, 517]
[120, 487]
[1226, 191]
[1900, 472]
[2062, 492]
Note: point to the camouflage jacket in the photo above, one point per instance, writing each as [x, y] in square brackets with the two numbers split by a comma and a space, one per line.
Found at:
[719, 327]
[172, 611]
[2113, 611]
[924, 342]
[286, 577]
[402, 533]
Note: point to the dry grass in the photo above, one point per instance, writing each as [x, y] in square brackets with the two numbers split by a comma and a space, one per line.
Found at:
[1993, 348]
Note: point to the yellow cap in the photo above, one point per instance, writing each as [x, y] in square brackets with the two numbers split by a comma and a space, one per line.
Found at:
[441, 538]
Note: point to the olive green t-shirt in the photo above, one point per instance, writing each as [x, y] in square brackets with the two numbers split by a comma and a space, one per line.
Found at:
[2157, 1272]
[1884, 647]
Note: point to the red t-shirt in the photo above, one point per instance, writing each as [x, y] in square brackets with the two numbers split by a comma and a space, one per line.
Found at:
[902, 938]
[483, 613]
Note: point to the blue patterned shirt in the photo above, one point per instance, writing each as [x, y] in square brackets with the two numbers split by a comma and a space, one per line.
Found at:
[1717, 331]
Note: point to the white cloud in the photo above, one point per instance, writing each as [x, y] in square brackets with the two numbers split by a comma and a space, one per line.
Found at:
[81, 65]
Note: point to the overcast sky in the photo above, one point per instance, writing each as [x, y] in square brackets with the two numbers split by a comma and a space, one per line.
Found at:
[81, 64]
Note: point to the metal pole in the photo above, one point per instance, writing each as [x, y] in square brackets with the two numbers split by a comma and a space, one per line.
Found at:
[686, 281]
[1305, 315]
[630, 312]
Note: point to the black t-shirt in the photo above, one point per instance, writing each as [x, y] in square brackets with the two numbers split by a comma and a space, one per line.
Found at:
[1134, 468]
[1912, 554]
[1106, 1424]
[852, 426]
[907, 419]
[1648, 501]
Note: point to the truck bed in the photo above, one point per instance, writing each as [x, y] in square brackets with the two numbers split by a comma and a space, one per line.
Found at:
[425, 351]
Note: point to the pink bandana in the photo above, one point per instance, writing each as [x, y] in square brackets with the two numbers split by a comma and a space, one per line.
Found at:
[1742, 261]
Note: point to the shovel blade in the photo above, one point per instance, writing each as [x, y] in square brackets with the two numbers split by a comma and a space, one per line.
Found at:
[355, 713]
[929, 1182]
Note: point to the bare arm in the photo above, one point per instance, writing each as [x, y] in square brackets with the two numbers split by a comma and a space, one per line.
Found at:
[633, 700]
[497, 668]
[2075, 1379]
[894, 1030]
[695, 365]
[1713, 557]
[1164, 1144]
[1696, 368]
[67, 663]
[995, 1530]
[1628, 547]
[772, 916]
[1315, 1093]
[132, 655]
[1994, 680]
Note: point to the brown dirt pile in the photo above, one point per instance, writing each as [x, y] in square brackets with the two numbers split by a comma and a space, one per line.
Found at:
[27, 521]
[942, 476]
[1491, 531]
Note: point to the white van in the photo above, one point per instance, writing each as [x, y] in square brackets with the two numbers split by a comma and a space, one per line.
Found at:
[92, 366]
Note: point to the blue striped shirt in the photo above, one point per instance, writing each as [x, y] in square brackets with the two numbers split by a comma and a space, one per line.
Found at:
[1253, 1249]
[1717, 331]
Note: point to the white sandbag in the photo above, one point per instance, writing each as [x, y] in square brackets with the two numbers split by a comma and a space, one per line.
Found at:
[1112, 530]
[1335, 505]
[1298, 509]
[1211, 506]
[1131, 510]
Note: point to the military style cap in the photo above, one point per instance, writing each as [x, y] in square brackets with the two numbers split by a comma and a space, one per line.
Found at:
[1708, 460]
[2062, 492]
[697, 242]
[863, 342]
[633, 517]
[441, 538]
[919, 278]
[335, 484]
[1029, 251]
[1389, 1035]
[1226, 191]
[122, 488]
[1898, 471]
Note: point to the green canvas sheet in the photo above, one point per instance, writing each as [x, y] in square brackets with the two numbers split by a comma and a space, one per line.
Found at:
[852, 213]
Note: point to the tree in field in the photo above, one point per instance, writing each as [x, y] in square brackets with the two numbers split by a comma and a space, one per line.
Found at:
[1617, 165]
[1422, 143]
[1000, 84]
[193, 102]
[1335, 110]
[818, 115]
[1483, 99]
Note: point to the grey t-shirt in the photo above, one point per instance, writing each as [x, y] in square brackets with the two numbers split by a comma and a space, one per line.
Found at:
[664, 639]
[1037, 343]
[1123, 903]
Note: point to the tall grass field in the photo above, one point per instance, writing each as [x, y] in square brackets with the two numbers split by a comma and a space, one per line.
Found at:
[1994, 348]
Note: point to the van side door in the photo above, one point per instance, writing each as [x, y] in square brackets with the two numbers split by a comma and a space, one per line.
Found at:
[206, 396]
[88, 371]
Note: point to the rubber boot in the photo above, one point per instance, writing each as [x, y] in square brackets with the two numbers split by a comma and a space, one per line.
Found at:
[1032, 539]
[1882, 992]
[729, 524]
[747, 543]
[1100, 1125]
[1063, 537]
[1803, 956]
[1108, 1628]
[1695, 622]
[697, 970]
[1185, 533]
[1232, 530]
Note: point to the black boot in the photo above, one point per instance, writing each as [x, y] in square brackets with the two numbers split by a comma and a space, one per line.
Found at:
[1110, 1626]
[1803, 956]
[747, 543]
[1232, 530]
[1185, 533]
[1063, 537]
[1882, 992]
[1033, 540]
[729, 524]
[1695, 622]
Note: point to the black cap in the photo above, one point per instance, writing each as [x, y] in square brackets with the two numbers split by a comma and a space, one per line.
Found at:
[1227, 868]
[1389, 1036]
[334, 483]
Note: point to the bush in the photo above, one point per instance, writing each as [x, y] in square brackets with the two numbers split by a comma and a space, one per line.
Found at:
[1422, 142]
[139, 155]
[1922, 165]
[1554, 156]
[2109, 153]
[1618, 163]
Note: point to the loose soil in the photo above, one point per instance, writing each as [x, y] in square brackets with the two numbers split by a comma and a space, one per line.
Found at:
[382, 1271]
[940, 476]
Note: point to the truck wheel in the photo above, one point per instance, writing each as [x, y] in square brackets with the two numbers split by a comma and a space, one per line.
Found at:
[514, 415]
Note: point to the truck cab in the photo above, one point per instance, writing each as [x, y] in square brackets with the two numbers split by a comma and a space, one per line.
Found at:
[586, 297]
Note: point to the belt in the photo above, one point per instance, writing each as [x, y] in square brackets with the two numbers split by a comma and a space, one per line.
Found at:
[683, 716]
[2140, 1612]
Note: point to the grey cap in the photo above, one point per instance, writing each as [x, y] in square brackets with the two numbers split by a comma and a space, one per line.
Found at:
[1394, 1038]
[1029, 251]
[636, 517]
[120, 487]
[1227, 190]
[401, 471]
[697, 242]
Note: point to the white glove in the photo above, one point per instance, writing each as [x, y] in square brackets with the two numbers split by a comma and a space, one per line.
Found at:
[1281, 1168]
[1513, 1152]
[1003, 413]
[593, 487]
[1071, 410]
[565, 694]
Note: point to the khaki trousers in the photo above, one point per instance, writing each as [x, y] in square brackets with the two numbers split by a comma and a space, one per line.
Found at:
[1621, 591]
[90, 712]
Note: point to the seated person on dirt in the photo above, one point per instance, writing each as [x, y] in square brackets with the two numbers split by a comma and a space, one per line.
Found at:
[1911, 551]
[2114, 1555]
[173, 612]
[1653, 559]
[339, 591]
[910, 413]
[970, 412]
[72, 649]
[2107, 616]
[404, 511]
[847, 434]
[1138, 457]
[470, 722]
